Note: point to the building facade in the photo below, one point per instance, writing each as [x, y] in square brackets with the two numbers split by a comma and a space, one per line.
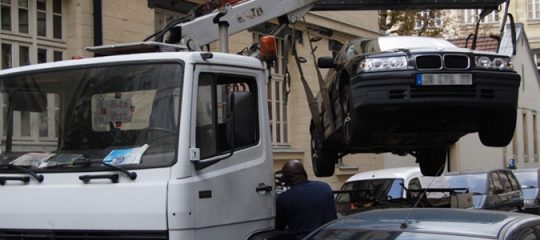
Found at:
[36, 31]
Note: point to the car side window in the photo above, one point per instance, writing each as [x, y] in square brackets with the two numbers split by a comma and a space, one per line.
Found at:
[513, 181]
[495, 184]
[415, 186]
[212, 136]
[505, 182]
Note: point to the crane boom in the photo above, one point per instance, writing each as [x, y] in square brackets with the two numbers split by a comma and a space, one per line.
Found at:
[205, 30]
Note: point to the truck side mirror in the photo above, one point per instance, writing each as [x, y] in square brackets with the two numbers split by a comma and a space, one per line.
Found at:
[242, 114]
[326, 62]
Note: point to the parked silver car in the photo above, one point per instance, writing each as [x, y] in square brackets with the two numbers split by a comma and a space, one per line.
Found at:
[431, 223]
[529, 178]
[496, 189]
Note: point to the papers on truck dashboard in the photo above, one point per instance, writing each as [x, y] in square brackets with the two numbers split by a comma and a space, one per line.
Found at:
[32, 159]
[126, 155]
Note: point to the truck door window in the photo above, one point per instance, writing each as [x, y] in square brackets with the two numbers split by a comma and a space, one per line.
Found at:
[213, 92]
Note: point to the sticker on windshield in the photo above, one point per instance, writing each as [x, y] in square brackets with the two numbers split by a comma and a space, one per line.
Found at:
[126, 156]
[122, 110]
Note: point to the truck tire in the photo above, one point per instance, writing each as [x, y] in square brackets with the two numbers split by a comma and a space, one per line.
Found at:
[355, 129]
[497, 130]
[323, 160]
[432, 160]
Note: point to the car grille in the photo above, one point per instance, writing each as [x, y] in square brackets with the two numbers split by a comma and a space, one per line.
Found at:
[428, 62]
[84, 235]
[448, 61]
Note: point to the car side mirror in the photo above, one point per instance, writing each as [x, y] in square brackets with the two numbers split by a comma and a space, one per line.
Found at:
[326, 62]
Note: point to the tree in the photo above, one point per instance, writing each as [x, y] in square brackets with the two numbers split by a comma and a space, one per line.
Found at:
[412, 22]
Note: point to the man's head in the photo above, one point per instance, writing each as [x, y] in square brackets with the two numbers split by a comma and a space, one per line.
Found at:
[293, 172]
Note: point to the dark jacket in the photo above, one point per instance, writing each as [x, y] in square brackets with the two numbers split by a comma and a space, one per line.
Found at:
[305, 207]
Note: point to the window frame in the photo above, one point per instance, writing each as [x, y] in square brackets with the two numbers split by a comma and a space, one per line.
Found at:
[54, 47]
[251, 81]
[277, 95]
[533, 9]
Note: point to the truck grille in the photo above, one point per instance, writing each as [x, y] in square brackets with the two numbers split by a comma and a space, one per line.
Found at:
[78, 235]
[448, 61]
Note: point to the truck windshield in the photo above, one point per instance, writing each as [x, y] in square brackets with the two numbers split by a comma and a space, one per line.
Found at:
[126, 114]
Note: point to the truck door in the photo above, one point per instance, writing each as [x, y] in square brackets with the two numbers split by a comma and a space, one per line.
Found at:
[234, 179]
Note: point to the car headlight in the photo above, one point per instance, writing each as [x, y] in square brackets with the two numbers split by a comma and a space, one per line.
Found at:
[493, 63]
[382, 64]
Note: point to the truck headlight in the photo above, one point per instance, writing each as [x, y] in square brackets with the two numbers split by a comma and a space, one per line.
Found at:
[382, 64]
[493, 63]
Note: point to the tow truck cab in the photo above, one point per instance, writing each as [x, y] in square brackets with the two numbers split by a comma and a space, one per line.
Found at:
[153, 146]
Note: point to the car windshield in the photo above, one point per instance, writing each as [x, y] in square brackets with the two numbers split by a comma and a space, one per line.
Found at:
[119, 114]
[381, 189]
[476, 183]
[360, 46]
[355, 234]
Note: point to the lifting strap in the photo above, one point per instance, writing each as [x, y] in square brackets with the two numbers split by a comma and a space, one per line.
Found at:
[322, 87]
[312, 102]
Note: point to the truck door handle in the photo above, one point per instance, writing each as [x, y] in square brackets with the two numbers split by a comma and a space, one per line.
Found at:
[263, 188]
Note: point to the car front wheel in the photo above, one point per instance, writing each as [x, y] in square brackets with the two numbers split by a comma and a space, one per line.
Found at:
[497, 130]
[354, 127]
[322, 159]
[432, 160]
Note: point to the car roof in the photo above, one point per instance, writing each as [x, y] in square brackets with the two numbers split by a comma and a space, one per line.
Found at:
[526, 170]
[461, 222]
[475, 172]
[388, 173]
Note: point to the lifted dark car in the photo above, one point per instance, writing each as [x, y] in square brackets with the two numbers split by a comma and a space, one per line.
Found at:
[413, 95]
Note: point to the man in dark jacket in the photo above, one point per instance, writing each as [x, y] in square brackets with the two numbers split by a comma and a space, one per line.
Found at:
[306, 206]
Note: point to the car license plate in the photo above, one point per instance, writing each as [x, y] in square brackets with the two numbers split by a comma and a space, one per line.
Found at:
[429, 79]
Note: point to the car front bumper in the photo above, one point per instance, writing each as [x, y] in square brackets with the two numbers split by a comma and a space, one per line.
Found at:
[489, 91]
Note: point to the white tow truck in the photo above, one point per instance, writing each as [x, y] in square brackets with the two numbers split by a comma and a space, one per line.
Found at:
[171, 144]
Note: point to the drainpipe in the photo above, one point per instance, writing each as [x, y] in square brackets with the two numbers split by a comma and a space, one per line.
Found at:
[98, 23]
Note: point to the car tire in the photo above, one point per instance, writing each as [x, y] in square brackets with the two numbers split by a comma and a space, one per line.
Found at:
[355, 129]
[323, 160]
[432, 160]
[497, 130]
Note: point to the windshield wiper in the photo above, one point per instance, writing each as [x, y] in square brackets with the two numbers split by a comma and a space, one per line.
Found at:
[131, 175]
[84, 160]
[38, 177]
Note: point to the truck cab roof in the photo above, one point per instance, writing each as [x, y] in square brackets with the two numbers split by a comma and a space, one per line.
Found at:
[188, 57]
